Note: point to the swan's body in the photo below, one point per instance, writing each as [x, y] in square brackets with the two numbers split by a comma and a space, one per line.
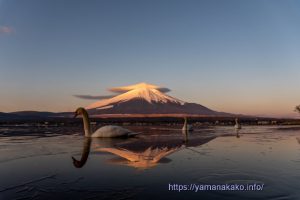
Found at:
[108, 131]
[237, 126]
[112, 131]
[186, 126]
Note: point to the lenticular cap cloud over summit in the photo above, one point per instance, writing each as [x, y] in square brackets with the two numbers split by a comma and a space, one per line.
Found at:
[139, 85]
[122, 89]
[91, 97]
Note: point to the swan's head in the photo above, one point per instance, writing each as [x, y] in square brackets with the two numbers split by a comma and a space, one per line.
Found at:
[79, 111]
[77, 163]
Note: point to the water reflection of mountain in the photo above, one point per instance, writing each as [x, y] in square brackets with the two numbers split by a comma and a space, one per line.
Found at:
[142, 152]
[147, 153]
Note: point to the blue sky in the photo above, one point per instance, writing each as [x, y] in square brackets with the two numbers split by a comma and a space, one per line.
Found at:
[233, 56]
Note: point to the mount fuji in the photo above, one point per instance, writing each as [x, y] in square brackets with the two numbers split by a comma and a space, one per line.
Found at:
[147, 99]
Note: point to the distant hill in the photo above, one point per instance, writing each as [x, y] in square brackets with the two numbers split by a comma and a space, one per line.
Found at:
[4, 116]
[30, 115]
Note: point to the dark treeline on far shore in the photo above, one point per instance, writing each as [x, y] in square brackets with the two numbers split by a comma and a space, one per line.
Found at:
[143, 121]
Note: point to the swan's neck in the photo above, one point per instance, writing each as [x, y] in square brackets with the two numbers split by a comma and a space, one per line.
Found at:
[86, 124]
[185, 124]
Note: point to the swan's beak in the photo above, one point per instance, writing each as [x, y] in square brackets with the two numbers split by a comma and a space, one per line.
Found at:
[76, 163]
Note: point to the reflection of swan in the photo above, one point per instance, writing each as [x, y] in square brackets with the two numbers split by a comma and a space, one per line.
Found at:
[84, 155]
[142, 153]
[104, 143]
[237, 126]
[105, 131]
[186, 126]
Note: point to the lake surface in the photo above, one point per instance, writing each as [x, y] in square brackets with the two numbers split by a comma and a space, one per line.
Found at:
[37, 163]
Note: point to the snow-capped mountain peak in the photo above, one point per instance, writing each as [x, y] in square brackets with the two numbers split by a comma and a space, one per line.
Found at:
[141, 91]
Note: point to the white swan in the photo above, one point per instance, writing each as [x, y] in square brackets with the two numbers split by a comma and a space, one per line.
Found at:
[108, 131]
[186, 126]
[237, 126]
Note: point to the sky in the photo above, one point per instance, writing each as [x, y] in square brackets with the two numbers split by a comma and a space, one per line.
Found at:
[232, 56]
